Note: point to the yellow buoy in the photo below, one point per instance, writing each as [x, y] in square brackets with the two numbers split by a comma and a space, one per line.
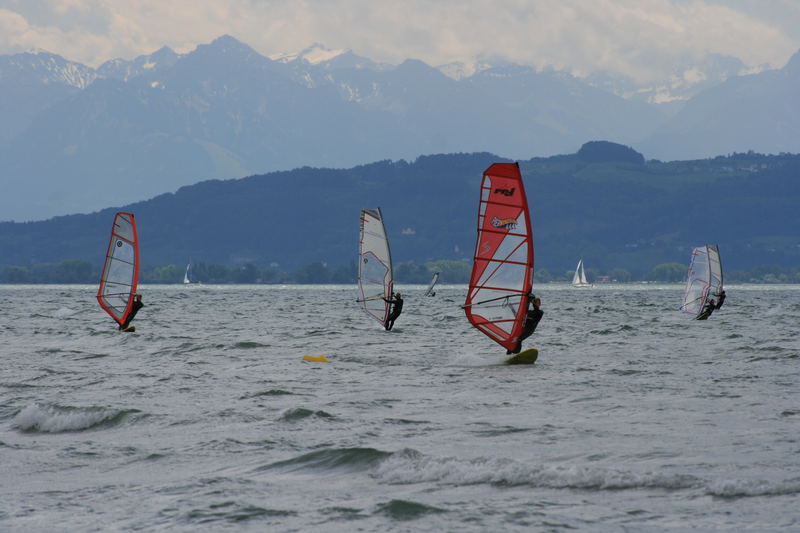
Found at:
[316, 358]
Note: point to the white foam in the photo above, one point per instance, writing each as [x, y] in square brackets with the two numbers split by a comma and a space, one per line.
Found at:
[53, 420]
[411, 467]
[64, 312]
[737, 488]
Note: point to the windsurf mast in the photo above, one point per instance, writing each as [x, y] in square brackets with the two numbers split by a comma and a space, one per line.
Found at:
[120, 276]
[375, 278]
[502, 271]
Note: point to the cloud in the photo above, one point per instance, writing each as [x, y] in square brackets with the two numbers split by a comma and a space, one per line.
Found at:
[642, 39]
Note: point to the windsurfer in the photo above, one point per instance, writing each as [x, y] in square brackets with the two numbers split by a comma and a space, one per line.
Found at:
[707, 310]
[720, 298]
[137, 304]
[532, 318]
[396, 308]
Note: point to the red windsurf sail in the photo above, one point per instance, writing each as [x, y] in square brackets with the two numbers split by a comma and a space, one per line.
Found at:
[121, 271]
[502, 272]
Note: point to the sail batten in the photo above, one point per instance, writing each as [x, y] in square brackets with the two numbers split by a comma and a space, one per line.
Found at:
[375, 276]
[120, 276]
[502, 269]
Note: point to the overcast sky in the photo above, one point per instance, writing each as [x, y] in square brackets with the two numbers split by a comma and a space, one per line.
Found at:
[643, 39]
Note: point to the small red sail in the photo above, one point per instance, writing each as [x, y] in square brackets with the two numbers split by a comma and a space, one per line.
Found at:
[502, 272]
[121, 271]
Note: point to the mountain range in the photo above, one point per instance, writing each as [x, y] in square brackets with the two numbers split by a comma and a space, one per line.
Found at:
[77, 139]
[604, 203]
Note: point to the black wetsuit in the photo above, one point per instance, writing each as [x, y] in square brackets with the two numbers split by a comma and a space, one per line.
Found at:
[720, 299]
[532, 318]
[397, 308]
[134, 309]
[707, 310]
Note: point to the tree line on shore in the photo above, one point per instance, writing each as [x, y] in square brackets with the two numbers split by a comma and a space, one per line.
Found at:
[85, 272]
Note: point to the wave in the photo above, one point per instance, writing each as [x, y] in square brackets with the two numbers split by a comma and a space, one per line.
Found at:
[350, 459]
[749, 488]
[406, 510]
[409, 467]
[58, 419]
[233, 512]
[300, 413]
[247, 345]
[271, 392]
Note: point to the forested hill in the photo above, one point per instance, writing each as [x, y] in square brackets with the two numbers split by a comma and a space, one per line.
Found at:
[605, 204]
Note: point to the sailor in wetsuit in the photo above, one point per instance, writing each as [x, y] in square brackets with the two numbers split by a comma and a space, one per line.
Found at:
[720, 298]
[394, 311]
[707, 310]
[137, 304]
[532, 318]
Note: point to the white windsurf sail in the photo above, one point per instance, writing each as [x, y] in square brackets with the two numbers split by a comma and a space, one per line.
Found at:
[704, 279]
[434, 279]
[186, 279]
[375, 279]
[120, 275]
[502, 271]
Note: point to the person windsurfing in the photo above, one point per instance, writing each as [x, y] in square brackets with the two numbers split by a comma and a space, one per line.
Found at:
[707, 310]
[532, 318]
[396, 308]
[137, 304]
[720, 298]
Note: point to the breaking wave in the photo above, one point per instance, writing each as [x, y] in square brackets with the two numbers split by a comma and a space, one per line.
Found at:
[59, 419]
[753, 487]
[350, 459]
[409, 466]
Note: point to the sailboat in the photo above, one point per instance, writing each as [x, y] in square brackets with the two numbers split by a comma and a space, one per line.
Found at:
[704, 279]
[502, 271]
[579, 279]
[120, 276]
[375, 278]
[187, 277]
[434, 279]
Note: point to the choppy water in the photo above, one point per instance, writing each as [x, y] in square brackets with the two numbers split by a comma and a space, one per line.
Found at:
[206, 419]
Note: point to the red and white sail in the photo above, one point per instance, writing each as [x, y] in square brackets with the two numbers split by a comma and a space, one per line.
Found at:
[375, 279]
[502, 272]
[121, 271]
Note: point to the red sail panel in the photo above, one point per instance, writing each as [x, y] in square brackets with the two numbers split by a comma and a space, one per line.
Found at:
[502, 272]
[120, 275]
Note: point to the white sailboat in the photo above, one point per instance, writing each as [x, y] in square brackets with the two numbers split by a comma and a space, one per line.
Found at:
[579, 279]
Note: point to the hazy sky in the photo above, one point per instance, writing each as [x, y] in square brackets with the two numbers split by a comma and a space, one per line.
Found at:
[640, 38]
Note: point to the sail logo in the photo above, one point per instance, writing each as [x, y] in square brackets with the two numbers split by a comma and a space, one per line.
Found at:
[119, 243]
[505, 223]
[505, 192]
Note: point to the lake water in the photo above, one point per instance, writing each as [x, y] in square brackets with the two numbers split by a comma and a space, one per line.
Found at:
[206, 419]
